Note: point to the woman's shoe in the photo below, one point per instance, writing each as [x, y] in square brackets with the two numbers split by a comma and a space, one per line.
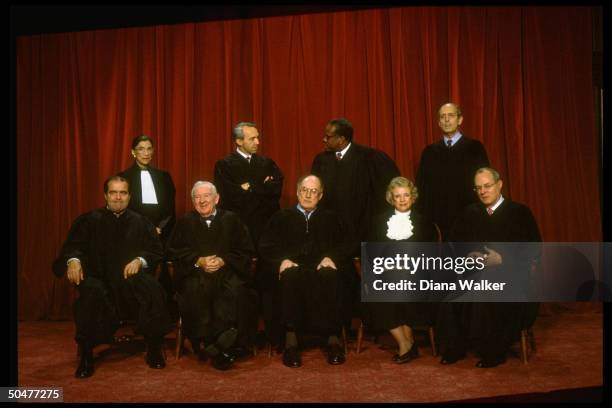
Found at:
[407, 356]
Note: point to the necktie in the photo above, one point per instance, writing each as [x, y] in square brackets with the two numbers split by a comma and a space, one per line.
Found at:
[307, 214]
[208, 220]
[449, 143]
[490, 211]
[338, 156]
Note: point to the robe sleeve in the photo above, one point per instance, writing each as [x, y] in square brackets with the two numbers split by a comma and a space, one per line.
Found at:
[75, 246]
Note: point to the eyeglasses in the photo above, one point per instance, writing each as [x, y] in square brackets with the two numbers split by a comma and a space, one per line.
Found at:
[306, 191]
[484, 187]
[144, 149]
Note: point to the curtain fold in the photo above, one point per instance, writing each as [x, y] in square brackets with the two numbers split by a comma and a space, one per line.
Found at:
[525, 87]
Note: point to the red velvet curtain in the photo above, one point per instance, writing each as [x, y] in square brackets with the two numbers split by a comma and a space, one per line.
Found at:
[522, 76]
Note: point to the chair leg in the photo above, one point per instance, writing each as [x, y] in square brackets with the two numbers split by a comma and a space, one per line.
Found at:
[531, 338]
[524, 350]
[179, 339]
[432, 340]
[359, 337]
[344, 340]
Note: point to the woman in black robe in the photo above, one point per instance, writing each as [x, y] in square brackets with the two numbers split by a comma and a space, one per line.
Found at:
[400, 224]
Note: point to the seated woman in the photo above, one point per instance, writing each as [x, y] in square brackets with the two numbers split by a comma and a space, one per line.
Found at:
[400, 223]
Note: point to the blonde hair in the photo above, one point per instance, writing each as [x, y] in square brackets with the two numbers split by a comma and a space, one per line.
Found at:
[401, 182]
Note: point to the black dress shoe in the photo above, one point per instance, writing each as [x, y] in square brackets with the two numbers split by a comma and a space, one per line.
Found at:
[86, 365]
[409, 355]
[335, 354]
[222, 361]
[291, 357]
[452, 356]
[490, 362]
[240, 353]
[224, 341]
[155, 359]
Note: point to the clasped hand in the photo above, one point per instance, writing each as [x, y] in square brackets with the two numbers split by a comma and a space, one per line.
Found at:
[491, 257]
[210, 264]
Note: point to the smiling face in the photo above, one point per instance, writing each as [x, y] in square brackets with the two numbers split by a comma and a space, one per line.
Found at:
[143, 153]
[205, 200]
[449, 119]
[309, 193]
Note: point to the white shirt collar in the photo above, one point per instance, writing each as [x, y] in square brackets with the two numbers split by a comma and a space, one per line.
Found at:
[497, 204]
[402, 213]
[454, 139]
[343, 151]
[303, 211]
[240, 152]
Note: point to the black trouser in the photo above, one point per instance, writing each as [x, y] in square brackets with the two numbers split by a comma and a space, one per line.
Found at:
[208, 303]
[313, 296]
[142, 298]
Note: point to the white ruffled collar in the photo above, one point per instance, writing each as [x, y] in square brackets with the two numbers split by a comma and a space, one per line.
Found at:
[399, 226]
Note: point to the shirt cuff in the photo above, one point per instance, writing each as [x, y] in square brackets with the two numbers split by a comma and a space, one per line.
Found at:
[144, 262]
[72, 259]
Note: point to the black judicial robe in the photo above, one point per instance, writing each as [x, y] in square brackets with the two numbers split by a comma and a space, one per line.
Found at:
[497, 325]
[445, 180]
[289, 236]
[355, 186]
[386, 316]
[256, 205]
[105, 244]
[211, 303]
[162, 214]
[226, 238]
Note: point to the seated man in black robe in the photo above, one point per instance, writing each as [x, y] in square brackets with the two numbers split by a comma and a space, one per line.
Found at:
[307, 247]
[491, 327]
[212, 251]
[110, 254]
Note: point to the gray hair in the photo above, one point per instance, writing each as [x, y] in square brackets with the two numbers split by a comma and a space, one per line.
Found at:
[238, 131]
[491, 170]
[401, 182]
[199, 184]
[301, 180]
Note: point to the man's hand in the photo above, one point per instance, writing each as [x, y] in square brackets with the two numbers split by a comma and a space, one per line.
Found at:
[210, 264]
[245, 186]
[326, 263]
[158, 230]
[74, 272]
[268, 178]
[492, 258]
[286, 264]
[132, 268]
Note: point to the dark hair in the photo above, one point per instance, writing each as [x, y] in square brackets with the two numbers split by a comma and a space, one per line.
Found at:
[141, 138]
[342, 127]
[115, 178]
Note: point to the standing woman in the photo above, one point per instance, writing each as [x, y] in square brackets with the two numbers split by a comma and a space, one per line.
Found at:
[152, 189]
[400, 224]
[153, 196]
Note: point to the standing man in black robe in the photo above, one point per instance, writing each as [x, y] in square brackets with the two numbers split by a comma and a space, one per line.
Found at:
[491, 327]
[355, 179]
[446, 171]
[249, 184]
[109, 255]
[153, 195]
[307, 247]
[212, 252]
